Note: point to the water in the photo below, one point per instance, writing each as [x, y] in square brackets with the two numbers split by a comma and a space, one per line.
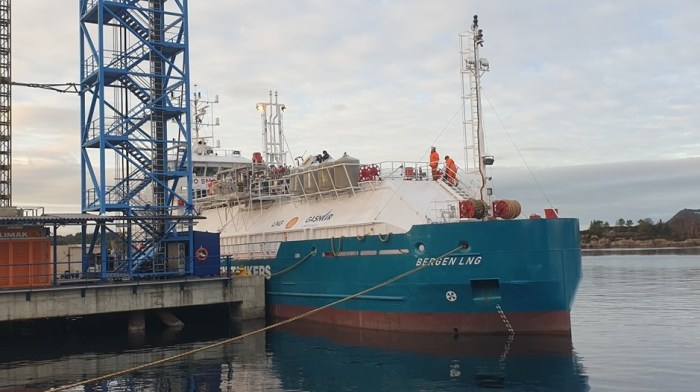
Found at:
[636, 322]
[635, 327]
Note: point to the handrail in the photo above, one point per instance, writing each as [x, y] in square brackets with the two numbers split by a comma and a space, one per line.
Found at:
[268, 185]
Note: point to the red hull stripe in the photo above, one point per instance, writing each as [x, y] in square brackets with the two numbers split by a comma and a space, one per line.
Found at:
[558, 322]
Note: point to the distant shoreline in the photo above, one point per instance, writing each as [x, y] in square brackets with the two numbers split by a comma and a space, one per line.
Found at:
[605, 243]
[584, 250]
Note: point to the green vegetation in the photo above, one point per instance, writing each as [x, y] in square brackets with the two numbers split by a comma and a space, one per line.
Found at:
[69, 239]
[680, 231]
[645, 229]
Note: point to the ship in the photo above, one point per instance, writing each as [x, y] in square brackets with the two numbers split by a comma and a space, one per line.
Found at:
[208, 158]
[389, 245]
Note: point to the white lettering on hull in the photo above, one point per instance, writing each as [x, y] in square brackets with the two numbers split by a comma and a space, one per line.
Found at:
[448, 261]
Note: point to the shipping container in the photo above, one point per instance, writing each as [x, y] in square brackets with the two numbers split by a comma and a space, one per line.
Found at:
[25, 258]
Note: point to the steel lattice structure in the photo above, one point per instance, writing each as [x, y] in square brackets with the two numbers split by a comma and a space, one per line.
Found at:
[135, 136]
[5, 105]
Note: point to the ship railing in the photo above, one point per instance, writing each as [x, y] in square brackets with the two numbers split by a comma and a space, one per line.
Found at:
[251, 250]
[406, 170]
[31, 211]
[465, 187]
[271, 185]
[318, 182]
[444, 211]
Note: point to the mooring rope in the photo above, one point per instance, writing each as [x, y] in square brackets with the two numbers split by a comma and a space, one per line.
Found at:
[233, 339]
[340, 245]
[313, 252]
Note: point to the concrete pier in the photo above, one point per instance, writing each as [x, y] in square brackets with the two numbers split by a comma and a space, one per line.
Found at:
[245, 297]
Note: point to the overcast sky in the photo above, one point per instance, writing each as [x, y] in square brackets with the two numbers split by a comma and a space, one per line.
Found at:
[593, 106]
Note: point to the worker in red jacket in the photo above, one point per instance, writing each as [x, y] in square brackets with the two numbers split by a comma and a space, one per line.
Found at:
[450, 170]
[434, 161]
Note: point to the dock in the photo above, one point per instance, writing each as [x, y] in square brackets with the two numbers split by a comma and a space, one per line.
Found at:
[37, 284]
[244, 297]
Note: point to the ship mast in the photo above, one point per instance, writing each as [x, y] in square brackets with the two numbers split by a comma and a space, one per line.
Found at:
[272, 133]
[203, 118]
[472, 69]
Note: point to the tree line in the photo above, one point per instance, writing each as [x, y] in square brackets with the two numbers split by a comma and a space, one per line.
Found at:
[645, 228]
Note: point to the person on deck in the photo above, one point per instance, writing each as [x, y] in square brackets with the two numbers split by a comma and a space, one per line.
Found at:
[450, 170]
[434, 161]
[324, 156]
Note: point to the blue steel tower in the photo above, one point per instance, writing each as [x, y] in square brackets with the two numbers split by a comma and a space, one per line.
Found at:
[135, 137]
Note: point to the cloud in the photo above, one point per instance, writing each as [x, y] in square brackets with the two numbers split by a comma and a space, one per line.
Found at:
[598, 96]
[607, 192]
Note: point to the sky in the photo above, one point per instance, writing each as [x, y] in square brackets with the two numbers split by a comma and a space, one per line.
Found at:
[590, 107]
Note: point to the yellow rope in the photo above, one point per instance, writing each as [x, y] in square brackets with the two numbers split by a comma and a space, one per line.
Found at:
[230, 340]
[313, 252]
[340, 245]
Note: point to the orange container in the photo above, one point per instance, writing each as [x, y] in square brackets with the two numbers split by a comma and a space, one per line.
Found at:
[408, 174]
[25, 262]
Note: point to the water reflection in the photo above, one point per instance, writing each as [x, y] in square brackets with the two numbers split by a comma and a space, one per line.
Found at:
[300, 357]
[321, 358]
[34, 363]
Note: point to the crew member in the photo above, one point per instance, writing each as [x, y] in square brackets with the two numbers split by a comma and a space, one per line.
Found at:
[434, 161]
[322, 157]
[450, 170]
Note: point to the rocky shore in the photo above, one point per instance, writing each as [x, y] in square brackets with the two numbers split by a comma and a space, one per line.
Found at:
[607, 243]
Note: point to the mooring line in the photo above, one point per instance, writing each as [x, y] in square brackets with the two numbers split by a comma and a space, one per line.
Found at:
[313, 252]
[230, 340]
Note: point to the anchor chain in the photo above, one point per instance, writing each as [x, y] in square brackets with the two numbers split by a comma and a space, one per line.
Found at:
[505, 319]
[511, 336]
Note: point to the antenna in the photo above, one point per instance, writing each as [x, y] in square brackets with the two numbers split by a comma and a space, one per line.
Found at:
[472, 69]
[203, 113]
[273, 136]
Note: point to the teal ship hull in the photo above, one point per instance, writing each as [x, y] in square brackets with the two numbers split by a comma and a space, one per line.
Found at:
[499, 276]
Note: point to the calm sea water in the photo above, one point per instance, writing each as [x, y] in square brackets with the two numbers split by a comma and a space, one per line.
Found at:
[635, 328]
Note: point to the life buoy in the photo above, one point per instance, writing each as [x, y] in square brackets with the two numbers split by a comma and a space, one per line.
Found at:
[201, 254]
